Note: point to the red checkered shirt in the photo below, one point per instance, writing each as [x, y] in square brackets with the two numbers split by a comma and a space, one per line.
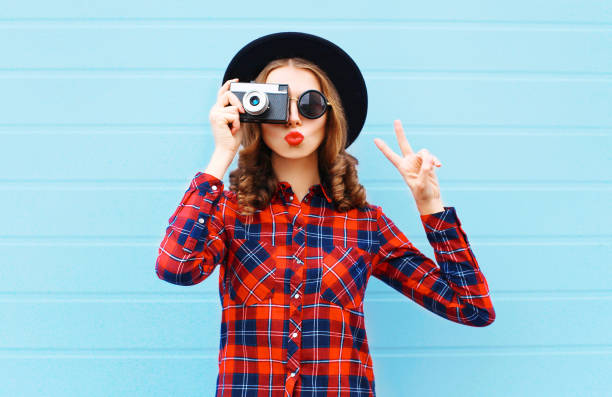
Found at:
[292, 278]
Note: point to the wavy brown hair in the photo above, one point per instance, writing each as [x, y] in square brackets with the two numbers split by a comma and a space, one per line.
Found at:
[254, 181]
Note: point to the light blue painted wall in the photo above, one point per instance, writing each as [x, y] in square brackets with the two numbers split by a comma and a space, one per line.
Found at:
[104, 120]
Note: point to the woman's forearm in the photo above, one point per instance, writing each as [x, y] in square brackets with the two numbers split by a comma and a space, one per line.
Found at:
[219, 163]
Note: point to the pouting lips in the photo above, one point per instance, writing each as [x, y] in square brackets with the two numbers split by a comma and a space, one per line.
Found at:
[294, 138]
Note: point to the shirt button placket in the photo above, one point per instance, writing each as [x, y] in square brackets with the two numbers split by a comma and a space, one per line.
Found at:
[295, 306]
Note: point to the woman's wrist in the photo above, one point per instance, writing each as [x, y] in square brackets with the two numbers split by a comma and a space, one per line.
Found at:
[430, 207]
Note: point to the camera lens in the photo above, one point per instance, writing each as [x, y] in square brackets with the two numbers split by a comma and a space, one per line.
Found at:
[255, 102]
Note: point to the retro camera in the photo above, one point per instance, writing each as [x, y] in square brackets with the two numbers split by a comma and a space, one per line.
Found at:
[262, 102]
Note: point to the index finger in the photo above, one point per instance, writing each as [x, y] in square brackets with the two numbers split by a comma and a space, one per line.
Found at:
[225, 86]
[229, 97]
[388, 152]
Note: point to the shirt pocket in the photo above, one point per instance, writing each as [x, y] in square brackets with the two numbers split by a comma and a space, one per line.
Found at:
[252, 272]
[344, 277]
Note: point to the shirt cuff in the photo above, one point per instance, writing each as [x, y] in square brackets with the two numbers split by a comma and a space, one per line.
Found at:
[444, 231]
[207, 183]
[441, 220]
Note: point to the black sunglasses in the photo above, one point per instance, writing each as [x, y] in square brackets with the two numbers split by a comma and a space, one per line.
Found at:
[312, 104]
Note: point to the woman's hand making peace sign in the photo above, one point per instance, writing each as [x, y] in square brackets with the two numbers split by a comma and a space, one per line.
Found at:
[417, 169]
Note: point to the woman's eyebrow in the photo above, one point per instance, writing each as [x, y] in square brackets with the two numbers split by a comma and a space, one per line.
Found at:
[307, 89]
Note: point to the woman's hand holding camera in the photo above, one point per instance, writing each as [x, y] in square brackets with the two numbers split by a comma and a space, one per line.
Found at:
[227, 141]
[221, 116]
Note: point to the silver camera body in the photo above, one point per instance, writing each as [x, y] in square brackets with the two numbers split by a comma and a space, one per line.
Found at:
[262, 102]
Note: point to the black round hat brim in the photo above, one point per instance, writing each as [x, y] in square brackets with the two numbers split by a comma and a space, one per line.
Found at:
[339, 66]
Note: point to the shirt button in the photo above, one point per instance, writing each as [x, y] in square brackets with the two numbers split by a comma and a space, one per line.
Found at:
[294, 334]
[296, 296]
[214, 187]
[201, 220]
[291, 375]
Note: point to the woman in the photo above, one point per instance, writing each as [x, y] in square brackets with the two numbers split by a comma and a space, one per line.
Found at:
[295, 239]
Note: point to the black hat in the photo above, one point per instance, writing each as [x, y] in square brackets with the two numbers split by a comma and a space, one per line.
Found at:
[338, 65]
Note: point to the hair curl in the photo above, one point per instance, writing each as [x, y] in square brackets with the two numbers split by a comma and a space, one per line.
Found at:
[254, 181]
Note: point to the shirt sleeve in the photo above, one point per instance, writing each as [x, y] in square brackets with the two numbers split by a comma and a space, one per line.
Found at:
[194, 242]
[456, 289]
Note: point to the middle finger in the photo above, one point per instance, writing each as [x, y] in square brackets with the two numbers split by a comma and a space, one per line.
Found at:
[232, 109]
[401, 138]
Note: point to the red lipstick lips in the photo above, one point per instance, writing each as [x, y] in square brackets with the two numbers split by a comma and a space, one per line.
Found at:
[294, 138]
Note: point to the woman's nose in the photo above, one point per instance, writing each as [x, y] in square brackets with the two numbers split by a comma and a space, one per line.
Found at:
[294, 115]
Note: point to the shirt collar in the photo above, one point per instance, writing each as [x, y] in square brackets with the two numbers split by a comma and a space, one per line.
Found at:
[284, 188]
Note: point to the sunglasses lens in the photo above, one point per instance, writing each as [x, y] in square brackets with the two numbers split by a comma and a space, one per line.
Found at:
[312, 104]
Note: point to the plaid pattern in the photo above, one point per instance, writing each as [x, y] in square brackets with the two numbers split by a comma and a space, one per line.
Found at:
[292, 278]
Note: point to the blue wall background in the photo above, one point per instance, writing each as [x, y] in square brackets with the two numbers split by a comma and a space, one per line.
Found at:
[104, 121]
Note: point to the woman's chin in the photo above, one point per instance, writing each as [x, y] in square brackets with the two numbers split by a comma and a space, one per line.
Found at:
[293, 151]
